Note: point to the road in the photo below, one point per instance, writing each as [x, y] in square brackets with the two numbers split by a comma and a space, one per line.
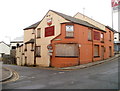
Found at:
[102, 76]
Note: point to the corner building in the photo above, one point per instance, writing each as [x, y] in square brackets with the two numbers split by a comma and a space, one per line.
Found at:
[59, 40]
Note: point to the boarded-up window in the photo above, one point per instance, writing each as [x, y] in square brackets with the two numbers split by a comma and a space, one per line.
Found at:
[67, 50]
[89, 35]
[38, 32]
[69, 31]
[96, 50]
[38, 51]
[96, 35]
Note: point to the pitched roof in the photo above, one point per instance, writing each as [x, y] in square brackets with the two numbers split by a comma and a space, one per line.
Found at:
[5, 43]
[33, 26]
[69, 18]
[30, 41]
[75, 20]
[111, 29]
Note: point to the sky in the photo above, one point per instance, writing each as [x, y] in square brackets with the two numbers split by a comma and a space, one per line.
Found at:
[15, 15]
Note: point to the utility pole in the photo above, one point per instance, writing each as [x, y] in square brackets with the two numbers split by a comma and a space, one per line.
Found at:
[83, 12]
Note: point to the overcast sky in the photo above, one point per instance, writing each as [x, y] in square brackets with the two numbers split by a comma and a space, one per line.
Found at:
[15, 15]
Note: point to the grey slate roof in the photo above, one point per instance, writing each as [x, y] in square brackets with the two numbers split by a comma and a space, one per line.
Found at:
[111, 29]
[33, 26]
[75, 20]
[69, 18]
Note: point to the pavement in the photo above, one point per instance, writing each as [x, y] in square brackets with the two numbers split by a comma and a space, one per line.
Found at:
[7, 73]
[90, 64]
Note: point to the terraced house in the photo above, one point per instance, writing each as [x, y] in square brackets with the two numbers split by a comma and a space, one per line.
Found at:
[59, 40]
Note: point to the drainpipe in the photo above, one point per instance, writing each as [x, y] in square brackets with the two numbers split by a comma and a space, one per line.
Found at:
[34, 49]
[92, 45]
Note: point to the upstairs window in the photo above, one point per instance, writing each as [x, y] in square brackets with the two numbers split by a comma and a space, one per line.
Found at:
[69, 31]
[89, 34]
[96, 35]
[38, 32]
[102, 37]
[109, 35]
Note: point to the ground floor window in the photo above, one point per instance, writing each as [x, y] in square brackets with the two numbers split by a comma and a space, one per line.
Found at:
[66, 50]
[96, 50]
[38, 51]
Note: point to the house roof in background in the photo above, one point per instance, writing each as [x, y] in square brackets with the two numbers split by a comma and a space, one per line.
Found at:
[5, 43]
[75, 20]
[33, 26]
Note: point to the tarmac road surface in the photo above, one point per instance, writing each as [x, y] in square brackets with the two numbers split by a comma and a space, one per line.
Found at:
[102, 76]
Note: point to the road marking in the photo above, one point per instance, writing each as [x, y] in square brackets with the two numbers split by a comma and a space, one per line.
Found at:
[14, 78]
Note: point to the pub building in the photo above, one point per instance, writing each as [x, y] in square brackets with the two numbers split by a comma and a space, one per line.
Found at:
[59, 40]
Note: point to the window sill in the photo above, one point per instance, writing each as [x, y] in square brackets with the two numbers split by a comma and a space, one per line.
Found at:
[67, 56]
[96, 56]
[69, 37]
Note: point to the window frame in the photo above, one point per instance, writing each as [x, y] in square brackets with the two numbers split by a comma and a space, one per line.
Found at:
[66, 36]
[38, 53]
[98, 51]
[66, 55]
[110, 36]
[90, 31]
[102, 39]
[38, 33]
